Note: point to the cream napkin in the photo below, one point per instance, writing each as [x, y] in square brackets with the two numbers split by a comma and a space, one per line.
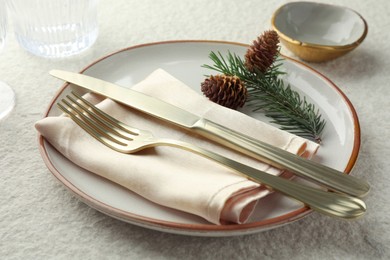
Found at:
[169, 176]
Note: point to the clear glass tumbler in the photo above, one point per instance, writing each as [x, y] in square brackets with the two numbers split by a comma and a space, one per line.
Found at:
[3, 23]
[55, 28]
[7, 95]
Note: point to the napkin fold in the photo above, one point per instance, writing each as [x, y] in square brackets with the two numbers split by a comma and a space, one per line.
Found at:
[169, 176]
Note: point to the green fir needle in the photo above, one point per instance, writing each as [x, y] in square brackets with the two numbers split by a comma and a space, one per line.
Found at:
[268, 93]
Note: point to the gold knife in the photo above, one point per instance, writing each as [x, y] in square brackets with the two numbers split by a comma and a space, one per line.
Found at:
[321, 174]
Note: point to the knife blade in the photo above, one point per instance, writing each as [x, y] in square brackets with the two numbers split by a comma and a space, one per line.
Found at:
[321, 174]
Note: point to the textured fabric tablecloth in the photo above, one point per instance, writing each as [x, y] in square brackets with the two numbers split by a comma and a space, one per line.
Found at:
[40, 219]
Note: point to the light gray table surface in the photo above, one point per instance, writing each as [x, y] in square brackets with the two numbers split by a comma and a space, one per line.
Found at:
[41, 219]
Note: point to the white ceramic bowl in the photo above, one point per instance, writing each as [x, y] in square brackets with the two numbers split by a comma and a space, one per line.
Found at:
[318, 32]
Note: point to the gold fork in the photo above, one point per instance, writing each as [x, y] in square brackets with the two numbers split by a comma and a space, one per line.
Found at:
[126, 139]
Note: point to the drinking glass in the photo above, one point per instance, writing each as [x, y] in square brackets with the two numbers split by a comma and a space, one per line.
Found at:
[7, 95]
[54, 28]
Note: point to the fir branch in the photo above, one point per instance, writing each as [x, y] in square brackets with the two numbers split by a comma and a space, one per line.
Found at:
[268, 93]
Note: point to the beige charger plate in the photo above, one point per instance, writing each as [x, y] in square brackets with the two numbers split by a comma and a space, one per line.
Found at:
[183, 59]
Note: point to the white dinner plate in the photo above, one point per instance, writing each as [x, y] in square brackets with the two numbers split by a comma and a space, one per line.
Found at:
[183, 59]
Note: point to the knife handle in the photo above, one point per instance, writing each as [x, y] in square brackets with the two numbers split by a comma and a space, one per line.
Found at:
[330, 203]
[321, 174]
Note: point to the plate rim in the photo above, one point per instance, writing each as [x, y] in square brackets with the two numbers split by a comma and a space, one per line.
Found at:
[182, 228]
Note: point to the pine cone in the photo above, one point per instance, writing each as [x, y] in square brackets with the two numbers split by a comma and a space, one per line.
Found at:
[262, 53]
[225, 90]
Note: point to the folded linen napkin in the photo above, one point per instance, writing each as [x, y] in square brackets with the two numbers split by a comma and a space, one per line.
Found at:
[169, 176]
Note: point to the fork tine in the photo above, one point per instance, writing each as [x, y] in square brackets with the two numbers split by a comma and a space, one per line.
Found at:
[80, 119]
[106, 127]
[107, 118]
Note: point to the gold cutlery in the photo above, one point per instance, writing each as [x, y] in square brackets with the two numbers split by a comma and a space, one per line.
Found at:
[321, 174]
[126, 139]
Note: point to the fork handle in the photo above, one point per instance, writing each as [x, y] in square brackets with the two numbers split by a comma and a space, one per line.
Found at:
[321, 174]
[330, 203]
